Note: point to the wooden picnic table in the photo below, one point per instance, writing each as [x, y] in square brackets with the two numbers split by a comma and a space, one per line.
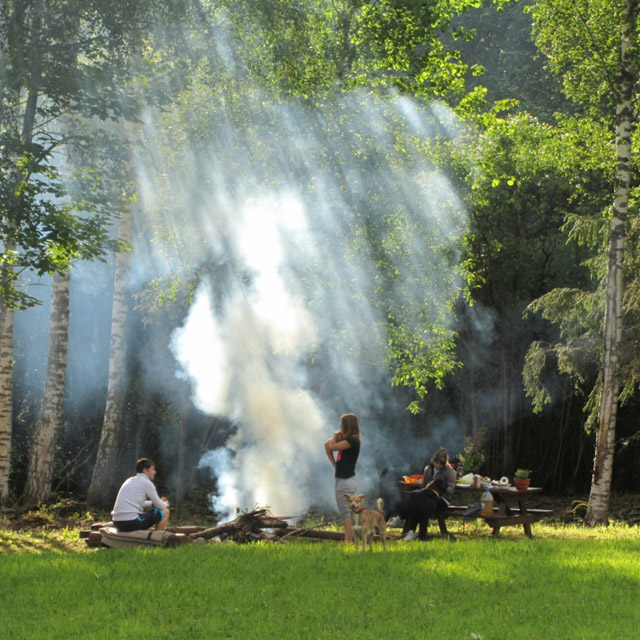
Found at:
[504, 515]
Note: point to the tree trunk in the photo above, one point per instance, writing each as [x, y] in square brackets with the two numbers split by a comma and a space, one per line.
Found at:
[598, 511]
[101, 489]
[182, 439]
[40, 470]
[6, 397]
[507, 427]
[7, 274]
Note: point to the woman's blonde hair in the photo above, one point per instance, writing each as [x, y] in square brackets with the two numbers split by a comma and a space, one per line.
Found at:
[349, 425]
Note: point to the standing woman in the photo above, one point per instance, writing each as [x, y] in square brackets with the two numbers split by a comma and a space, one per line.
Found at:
[346, 442]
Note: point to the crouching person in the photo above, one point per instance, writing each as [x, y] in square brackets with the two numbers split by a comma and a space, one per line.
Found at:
[136, 494]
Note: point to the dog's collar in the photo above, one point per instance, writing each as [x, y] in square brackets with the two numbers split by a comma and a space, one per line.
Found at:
[434, 491]
[360, 510]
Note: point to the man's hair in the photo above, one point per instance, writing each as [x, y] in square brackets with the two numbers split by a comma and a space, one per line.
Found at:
[144, 463]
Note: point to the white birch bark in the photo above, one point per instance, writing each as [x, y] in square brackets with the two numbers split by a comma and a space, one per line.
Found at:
[100, 491]
[40, 469]
[8, 247]
[6, 397]
[599, 497]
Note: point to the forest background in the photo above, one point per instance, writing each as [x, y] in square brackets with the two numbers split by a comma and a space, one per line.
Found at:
[226, 223]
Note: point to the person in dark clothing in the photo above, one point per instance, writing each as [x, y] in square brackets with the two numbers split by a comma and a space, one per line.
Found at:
[346, 442]
[420, 506]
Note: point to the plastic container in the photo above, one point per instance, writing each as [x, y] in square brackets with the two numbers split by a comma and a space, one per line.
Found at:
[486, 502]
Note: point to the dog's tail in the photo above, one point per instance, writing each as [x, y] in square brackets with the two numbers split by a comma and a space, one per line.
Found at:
[380, 504]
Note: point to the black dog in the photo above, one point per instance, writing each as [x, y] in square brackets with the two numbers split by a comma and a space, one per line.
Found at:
[418, 505]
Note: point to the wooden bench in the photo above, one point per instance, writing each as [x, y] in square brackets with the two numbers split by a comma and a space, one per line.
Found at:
[499, 518]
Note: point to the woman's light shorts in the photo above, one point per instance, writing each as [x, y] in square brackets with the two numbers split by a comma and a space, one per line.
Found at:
[345, 485]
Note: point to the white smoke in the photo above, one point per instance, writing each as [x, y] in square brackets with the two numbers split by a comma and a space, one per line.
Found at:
[290, 331]
[242, 364]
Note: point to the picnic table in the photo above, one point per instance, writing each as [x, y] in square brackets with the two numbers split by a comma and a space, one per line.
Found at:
[504, 514]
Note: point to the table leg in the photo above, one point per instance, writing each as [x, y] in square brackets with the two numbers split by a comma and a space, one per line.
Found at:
[526, 525]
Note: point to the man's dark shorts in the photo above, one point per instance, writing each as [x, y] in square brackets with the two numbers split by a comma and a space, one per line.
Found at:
[143, 521]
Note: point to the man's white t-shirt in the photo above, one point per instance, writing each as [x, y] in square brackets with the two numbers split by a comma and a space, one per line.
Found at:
[135, 494]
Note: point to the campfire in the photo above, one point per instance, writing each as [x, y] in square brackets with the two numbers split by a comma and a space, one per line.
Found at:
[248, 526]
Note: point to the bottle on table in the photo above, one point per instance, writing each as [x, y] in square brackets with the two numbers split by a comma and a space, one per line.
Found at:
[486, 502]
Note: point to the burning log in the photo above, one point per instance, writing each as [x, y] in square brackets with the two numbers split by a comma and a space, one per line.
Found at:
[227, 527]
[247, 526]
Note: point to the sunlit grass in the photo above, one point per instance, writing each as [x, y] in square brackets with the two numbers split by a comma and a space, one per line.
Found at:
[43, 539]
[546, 528]
[566, 583]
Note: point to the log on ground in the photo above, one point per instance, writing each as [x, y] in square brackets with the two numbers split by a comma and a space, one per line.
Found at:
[319, 534]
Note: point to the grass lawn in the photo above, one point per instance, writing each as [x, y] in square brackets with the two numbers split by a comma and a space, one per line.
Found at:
[568, 582]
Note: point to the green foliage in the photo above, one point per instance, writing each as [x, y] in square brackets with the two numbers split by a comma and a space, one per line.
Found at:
[522, 473]
[532, 183]
[385, 225]
[309, 48]
[59, 60]
[49, 229]
[471, 457]
[581, 40]
[520, 175]
[502, 53]
[422, 357]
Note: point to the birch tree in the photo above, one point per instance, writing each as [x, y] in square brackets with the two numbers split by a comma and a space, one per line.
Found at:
[598, 510]
[100, 490]
[57, 57]
[40, 469]
[592, 46]
[6, 397]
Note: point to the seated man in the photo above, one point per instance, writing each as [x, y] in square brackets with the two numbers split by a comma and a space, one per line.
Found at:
[135, 494]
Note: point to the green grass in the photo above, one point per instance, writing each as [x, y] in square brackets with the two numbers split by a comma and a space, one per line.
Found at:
[567, 582]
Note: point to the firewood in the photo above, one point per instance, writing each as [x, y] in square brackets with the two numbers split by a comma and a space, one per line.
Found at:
[227, 527]
[177, 539]
[186, 529]
[248, 525]
[298, 532]
[311, 533]
[94, 539]
[272, 523]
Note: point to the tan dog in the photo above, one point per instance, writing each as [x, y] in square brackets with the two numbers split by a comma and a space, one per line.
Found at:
[365, 522]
